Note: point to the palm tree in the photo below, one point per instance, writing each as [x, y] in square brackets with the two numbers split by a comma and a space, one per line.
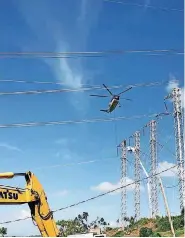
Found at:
[85, 216]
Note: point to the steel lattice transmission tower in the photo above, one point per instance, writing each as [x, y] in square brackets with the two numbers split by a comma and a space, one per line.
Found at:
[123, 183]
[179, 134]
[153, 170]
[137, 174]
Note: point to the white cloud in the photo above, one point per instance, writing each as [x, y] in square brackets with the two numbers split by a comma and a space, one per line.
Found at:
[166, 165]
[24, 214]
[173, 83]
[61, 193]
[83, 10]
[131, 149]
[65, 141]
[113, 224]
[67, 73]
[107, 186]
[52, 34]
[62, 141]
[20, 228]
[10, 147]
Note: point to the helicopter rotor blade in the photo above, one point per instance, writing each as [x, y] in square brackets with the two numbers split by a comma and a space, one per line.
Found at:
[107, 89]
[125, 90]
[128, 99]
[102, 96]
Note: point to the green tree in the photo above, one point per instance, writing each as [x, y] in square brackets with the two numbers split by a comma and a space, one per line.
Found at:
[131, 222]
[80, 224]
[70, 227]
[145, 232]
[182, 212]
[3, 231]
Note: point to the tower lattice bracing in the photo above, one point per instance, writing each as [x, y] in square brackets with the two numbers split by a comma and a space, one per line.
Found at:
[153, 168]
[137, 174]
[123, 183]
[179, 134]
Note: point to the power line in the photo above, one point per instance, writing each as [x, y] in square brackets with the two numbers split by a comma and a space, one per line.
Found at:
[98, 87]
[146, 6]
[86, 53]
[155, 83]
[113, 190]
[93, 198]
[91, 161]
[39, 82]
[173, 186]
[54, 123]
[76, 163]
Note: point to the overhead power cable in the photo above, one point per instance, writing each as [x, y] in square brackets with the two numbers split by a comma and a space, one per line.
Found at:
[173, 186]
[75, 163]
[145, 6]
[154, 83]
[81, 89]
[55, 123]
[87, 53]
[40, 82]
[93, 198]
[92, 161]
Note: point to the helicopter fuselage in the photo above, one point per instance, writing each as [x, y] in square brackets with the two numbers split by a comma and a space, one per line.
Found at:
[113, 104]
[114, 101]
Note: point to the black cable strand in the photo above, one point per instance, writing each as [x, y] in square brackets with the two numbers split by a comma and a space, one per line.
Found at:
[93, 198]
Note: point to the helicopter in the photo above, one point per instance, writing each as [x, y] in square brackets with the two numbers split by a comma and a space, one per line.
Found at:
[114, 100]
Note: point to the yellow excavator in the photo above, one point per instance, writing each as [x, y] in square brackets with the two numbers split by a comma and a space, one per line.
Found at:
[35, 197]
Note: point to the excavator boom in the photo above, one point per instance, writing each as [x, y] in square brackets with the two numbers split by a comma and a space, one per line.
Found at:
[35, 197]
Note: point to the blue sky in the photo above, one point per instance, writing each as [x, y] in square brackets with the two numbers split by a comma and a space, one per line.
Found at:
[84, 25]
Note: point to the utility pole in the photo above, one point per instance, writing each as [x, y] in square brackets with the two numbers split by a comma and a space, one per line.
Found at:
[153, 170]
[166, 205]
[123, 183]
[137, 174]
[179, 134]
[164, 197]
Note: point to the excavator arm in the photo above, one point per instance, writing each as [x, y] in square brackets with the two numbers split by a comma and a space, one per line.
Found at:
[35, 197]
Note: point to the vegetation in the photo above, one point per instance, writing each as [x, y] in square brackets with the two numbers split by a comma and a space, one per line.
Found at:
[80, 225]
[145, 232]
[144, 227]
[153, 227]
[3, 231]
[164, 225]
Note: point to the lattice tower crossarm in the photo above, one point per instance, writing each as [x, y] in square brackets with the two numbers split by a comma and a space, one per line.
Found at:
[179, 134]
[137, 174]
[153, 170]
[123, 183]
